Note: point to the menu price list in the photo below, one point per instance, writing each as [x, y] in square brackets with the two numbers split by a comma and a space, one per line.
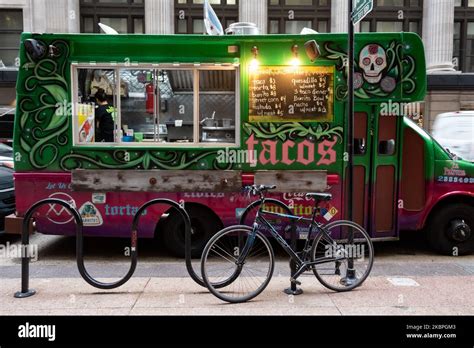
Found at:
[291, 94]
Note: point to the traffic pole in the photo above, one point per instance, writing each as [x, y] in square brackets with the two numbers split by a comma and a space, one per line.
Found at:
[350, 277]
[350, 111]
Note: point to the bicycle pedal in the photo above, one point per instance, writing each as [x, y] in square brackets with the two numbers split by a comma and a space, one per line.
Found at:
[294, 281]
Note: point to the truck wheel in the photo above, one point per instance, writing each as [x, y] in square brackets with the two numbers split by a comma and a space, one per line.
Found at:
[451, 229]
[203, 226]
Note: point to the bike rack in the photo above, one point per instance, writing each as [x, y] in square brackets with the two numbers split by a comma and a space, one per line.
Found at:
[187, 231]
[293, 289]
[25, 261]
[79, 226]
[95, 283]
[25, 241]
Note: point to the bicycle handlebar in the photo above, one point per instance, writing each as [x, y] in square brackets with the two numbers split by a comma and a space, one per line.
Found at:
[258, 189]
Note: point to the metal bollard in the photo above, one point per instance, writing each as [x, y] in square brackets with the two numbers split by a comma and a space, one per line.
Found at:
[25, 241]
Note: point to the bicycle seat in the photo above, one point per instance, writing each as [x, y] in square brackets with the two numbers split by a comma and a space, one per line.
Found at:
[319, 196]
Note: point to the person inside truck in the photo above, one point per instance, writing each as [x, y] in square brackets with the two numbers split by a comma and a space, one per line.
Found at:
[104, 120]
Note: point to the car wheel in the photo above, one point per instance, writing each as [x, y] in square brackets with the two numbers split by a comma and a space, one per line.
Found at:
[451, 230]
[203, 226]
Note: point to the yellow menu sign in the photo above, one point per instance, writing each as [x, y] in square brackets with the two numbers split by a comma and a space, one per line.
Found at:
[291, 94]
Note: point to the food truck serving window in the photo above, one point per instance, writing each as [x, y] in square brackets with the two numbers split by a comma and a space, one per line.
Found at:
[172, 105]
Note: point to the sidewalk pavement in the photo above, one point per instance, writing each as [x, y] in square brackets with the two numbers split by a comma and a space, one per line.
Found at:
[423, 295]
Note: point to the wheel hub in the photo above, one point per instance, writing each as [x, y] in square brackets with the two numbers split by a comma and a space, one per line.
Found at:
[459, 230]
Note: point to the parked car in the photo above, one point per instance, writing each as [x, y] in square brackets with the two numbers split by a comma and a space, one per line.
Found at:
[7, 190]
[6, 151]
[455, 131]
[7, 194]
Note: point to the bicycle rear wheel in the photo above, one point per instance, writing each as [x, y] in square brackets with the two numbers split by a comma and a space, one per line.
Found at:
[336, 256]
[219, 264]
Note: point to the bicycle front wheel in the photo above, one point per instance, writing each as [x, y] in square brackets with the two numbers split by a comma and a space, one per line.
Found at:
[219, 263]
[344, 263]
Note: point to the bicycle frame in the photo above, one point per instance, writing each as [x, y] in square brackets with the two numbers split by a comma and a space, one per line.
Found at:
[301, 264]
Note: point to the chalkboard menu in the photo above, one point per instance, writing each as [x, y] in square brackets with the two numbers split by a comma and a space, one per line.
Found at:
[291, 94]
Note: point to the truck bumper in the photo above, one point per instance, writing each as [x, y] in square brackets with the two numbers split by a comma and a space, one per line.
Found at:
[14, 224]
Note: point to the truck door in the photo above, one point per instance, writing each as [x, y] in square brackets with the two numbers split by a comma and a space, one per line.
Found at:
[385, 172]
[362, 156]
[362, 171]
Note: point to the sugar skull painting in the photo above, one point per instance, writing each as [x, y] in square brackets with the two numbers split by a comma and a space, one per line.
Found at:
[373, 61]
[380, 70]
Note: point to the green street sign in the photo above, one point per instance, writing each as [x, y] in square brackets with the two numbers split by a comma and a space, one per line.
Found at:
[361, 9]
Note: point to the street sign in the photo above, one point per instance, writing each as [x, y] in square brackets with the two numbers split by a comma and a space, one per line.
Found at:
[361, 9]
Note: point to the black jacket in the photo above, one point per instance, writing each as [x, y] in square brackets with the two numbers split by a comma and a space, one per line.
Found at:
[104, 123]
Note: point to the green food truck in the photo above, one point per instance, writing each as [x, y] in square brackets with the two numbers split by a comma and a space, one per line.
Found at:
[194, 118]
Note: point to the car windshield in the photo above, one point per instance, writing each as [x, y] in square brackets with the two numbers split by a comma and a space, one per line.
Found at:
[6, 150]
[454, 127]
[456, 134]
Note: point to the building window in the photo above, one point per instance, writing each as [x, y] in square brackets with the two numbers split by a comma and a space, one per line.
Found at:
[291, 16]
[189, 14]
[175, 105]
[11, 26]
[463, 57]
[125, 16]
[394, 16]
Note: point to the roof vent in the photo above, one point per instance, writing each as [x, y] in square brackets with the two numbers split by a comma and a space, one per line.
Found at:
[242, 28]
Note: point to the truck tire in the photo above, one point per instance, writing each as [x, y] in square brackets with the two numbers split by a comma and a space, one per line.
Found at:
[451, 229]
[204, 225]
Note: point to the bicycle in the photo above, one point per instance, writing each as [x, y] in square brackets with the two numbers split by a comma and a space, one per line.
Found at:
[242, 256]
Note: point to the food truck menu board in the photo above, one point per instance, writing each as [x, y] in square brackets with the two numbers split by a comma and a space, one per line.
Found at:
[291, 94]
